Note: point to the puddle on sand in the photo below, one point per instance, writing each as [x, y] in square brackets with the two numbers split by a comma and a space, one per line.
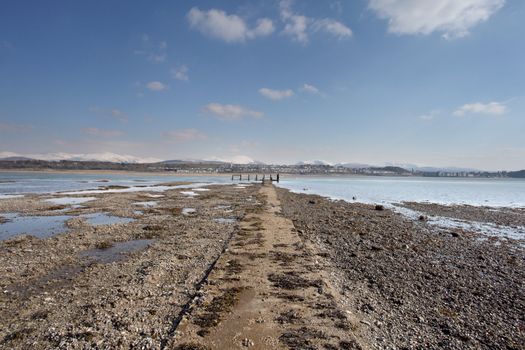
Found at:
[138, 212]
[147, 204]
[116, 252]
[189, 193]
[105, 219]
[225, 220]
[9, 196]
[149, 195]
[70, 200]
[38, 226]
[188, 211]
[200, 189]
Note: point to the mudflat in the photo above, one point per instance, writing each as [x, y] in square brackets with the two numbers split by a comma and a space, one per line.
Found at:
[253, 266]
[115, 285]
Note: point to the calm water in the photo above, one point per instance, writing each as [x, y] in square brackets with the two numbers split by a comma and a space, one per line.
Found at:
[368, 189]
[12, 183]
[383, 189]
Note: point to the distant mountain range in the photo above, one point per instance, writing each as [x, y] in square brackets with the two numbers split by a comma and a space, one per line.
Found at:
[128, 159]
[89, 157]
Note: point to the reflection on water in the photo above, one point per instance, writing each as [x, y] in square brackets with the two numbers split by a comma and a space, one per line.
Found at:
[189, 193]
[485, 228]
[44, 182]
[147, 204]
[188, 211]
[116, 252]
[388, 189]
[38, 226]
[225, 220]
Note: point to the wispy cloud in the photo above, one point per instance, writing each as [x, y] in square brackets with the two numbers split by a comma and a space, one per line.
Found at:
[102, 132]
[333, 27]
[183, 135]
[110, 112]
[227, 112]
[429, 116]
[154, 51]
[119, 115]
[276, 94]
[452, 18]
[298, 26]
[310, 89]
[180, 73]
[491, 108]
[156, 86]
[228, 27]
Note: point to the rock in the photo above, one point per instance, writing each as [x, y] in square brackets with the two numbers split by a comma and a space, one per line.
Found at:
[379, 207]
[247, 342]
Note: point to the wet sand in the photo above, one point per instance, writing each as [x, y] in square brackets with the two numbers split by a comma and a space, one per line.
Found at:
[282, 271]
[56, 292]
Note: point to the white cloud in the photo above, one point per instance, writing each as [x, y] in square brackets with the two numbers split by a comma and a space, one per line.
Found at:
[102, 132]
[491, 108]
[156, 86]
[264, 27]
[452, 18]
[276, 94]
[429, 116]
[119, 115]
[230, 28]
[226, 112]
[298, 26]
[157, 58]
[180, 73]
[310, 89]
[183, 135]
[333, 27]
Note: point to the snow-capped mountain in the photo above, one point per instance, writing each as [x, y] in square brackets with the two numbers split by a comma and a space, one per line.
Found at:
[98, 157]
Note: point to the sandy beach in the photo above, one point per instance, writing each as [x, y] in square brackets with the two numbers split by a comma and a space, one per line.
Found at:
[252, 266]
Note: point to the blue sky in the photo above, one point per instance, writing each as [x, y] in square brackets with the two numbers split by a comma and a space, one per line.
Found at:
[438, 82]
